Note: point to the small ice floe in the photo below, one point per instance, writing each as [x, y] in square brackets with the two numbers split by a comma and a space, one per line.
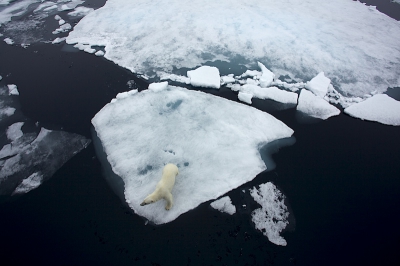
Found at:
[245, 97]
[174, 77]
[80, 11]
[63, 28]
[224, 204]
[227, 79]
[205, 76]
[315, 106]
[158, 86]
[12, 89]
[9, 41]
[319, 85]
[58, 40]
[99, 53]
[380, 108]
[14, 131]
[267, 76]
[272, 217]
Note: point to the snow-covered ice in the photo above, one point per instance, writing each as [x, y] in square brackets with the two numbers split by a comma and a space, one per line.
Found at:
[215, 143]
[319, 85]
[80, 11]
[224, 204]
[380, 108]
[272, 217]
[63, 28]
[267, 76]
[8, 41]
[205, 76]
[354, 45]
[31, 182]
[13, 89]
[14, 131]
[315, 106]
[245, 97]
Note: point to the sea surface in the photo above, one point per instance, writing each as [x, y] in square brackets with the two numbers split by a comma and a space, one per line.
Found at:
[341, 180]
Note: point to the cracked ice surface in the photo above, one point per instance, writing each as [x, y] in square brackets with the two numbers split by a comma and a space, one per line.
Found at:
[143, 131]
[355, 45]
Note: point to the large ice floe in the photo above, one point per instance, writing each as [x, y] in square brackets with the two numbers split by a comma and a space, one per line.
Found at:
[380, 108]
[29, 158]
[355, 45]
[273, 215]
[215, 143]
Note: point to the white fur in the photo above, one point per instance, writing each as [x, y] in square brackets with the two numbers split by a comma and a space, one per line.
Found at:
[164, 187]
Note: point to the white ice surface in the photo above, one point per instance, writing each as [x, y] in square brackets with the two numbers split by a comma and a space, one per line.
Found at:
[215, 143]
[380, 108]
[8, 41]
[80, 11]
[245, 97]
[58, 40]
[319, 85]
[356, 46]
[315, 106]
[205, 76]
[267, 76]
[15, 9]
[271, 218]
[31, 182]
[13, 89]
[224, 204]
[14, 131]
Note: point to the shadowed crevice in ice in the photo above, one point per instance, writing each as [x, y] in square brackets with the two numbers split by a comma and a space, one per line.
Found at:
[214, 142]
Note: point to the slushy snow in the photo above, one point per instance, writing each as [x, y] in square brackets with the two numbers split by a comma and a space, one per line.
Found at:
[271, 218]
[355, 45]
[194, 130]
[224, 204]
[380, 108]
[315, 106]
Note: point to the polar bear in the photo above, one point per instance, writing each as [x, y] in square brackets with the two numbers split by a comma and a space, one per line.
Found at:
[164, 187]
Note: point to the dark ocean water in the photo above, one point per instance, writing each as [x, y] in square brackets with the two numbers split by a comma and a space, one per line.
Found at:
[341, 179]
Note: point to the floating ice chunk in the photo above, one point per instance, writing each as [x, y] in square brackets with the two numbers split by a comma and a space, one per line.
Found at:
[6, 111]
[12, 89]
[227, 79]
[224, 204]
[319, 85]
[80, 11]
[1, 77]
[61, 22]
[267, 76]
[50, 8]
[63, 28]
[30, 183]
[380, 108]
[279, 95]
[251, 73]
[191, 129]
[205, 76]
[9, 41]
[158, 86]
[85, 47]
[46, 154]
[57, 17]
[14, 131]
[58, 40]
[271, 218]
[70, 5]
[315, 106]
[44, 5]
[288, 86]
[245, 97]
[174, 77]
[99, 53]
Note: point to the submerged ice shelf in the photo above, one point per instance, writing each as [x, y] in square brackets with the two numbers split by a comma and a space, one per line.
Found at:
[28, 159]
[141, 132]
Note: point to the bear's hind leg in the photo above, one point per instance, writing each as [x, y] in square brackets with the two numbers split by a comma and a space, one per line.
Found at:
[169, 200]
